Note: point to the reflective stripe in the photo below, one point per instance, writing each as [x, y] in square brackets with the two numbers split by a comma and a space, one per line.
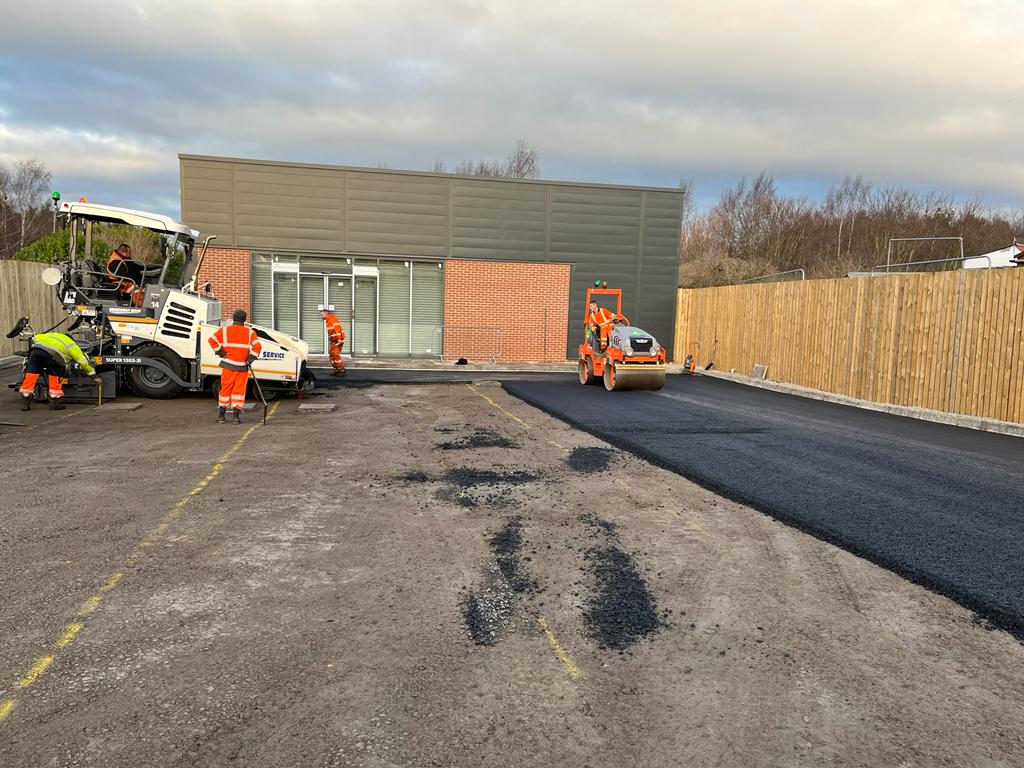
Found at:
[238, 346]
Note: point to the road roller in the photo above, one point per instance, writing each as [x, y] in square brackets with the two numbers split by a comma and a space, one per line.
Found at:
[614, 352]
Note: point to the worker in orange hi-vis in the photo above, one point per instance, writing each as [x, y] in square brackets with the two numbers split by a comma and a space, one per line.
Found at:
[600, 320]
[335, 339]
[237, 346]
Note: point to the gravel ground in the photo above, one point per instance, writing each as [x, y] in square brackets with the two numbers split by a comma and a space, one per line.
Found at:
[311, 604]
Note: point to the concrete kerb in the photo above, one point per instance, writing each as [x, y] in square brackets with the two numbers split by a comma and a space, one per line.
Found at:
[925, 414]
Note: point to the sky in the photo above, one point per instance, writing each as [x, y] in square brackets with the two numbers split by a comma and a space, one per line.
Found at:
[926, 94]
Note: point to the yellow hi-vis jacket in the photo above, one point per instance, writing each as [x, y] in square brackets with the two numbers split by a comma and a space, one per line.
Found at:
[63, 347]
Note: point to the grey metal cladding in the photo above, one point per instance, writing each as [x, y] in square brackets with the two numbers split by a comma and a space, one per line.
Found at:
[294, 208]
[397, 214]
[491, 217]
[207, 197]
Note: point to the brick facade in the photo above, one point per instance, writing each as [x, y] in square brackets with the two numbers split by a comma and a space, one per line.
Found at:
[229, 271]
[529, 302]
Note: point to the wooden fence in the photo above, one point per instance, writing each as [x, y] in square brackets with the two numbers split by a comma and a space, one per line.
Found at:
[22, 292]
[949, 341]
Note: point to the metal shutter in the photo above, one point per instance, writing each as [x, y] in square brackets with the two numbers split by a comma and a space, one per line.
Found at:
[260, 292]
[364, 340]
[427, 307]
[286, 303]
[312, 328]
[394, 307]
[339, 293]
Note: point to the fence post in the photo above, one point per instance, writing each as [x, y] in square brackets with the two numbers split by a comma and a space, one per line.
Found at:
[954, 362]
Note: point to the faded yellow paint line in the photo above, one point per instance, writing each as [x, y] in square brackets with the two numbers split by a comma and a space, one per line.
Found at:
[67, 635]
[514, 417]
[112, 582]
[33, 674]
[71, 630]
[570, 666]
[89, 606]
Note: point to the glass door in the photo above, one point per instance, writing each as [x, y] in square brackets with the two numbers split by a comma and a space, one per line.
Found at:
[339, 293]
[312, 289]
[364, 316]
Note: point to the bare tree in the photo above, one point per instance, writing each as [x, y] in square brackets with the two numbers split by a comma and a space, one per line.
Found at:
[522, 163]
[28, 185]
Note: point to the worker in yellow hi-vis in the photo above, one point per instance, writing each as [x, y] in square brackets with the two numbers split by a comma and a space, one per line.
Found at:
[52, 354]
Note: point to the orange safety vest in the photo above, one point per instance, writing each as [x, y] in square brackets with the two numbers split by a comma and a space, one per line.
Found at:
[238, 341]
[123, 285]
[335, 333]
[602, 317]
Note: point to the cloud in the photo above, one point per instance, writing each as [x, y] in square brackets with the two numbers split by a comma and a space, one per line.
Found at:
[916, 92]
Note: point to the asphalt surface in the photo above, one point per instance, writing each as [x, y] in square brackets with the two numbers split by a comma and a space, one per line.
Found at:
[942, 506]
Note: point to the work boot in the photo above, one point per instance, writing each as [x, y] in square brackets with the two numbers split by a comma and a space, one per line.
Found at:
[237, 414]
[220, 415]
[26, 402]
[57, 405]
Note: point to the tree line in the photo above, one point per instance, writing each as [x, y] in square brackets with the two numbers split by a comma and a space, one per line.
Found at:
[754, 230]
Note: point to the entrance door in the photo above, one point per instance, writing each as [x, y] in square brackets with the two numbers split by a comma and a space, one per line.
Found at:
[364, 316]
[339, 294]
[311, 325]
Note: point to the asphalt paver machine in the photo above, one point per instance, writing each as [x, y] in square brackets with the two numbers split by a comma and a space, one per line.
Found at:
[158, 342]
[623, 357]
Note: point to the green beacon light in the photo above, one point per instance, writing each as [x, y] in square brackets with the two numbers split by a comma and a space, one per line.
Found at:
[55, 196]
[597, 283]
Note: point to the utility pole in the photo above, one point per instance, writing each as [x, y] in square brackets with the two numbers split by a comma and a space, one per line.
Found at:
[56, 202]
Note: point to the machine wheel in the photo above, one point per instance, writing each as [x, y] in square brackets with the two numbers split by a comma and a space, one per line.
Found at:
[586, 371]
[149, 382]
[609, 376]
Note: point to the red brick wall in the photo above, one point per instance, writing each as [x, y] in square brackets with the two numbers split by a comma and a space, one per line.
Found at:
[228, 269]
[521, 298]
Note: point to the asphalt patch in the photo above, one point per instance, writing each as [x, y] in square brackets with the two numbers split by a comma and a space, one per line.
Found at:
[480, 438]
[590, 460]
[505, 545]
[469, 477]
[601, 525]
[488, 611]
[622, 609]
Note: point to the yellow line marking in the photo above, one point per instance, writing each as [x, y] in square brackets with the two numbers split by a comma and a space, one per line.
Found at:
[71, 630]
[567, 662]
[33, 674]
[514, 417]
[89, 606]
[67, 635]
[112, 582]
[489, 400]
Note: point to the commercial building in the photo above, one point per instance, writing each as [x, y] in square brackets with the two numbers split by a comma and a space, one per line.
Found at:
[420, 264]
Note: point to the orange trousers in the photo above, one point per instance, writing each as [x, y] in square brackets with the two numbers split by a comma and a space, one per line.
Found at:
[335, 354]
[29, 385]
[232, 388]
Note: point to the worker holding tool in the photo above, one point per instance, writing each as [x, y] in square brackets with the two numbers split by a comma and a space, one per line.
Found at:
[600, 320]
[237, 346]
[54, 354]
[335, 340]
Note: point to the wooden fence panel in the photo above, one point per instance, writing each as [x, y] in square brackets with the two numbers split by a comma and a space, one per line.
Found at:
[950, 341]
[22, 292]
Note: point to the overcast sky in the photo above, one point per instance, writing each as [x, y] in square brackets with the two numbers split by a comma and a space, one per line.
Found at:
[921, 93]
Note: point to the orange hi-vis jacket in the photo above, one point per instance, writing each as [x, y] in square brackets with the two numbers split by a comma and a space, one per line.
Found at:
[238, 341]
[335, 333]
[120, 282]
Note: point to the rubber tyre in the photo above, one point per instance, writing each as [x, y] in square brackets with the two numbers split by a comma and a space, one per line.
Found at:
[149, 382]
[609, 376]
[586, 372]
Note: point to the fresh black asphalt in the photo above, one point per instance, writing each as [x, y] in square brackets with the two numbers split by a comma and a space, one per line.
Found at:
[941, 505]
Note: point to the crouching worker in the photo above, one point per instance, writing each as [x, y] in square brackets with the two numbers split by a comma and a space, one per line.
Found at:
[52, 354]
[237, 346]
